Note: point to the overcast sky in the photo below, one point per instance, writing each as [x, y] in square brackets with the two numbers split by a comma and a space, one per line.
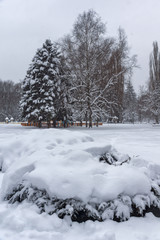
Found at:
[25, 24]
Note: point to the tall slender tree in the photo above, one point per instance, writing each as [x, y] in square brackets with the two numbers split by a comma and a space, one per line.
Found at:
[82, 49]
[143, 111]
[154, 82]
[120, 65]
[130, 104]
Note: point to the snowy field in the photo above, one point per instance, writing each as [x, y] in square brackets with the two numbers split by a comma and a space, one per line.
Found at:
[26, 154]
[134, 139]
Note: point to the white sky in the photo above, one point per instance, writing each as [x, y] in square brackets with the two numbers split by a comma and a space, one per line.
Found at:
[26, 24]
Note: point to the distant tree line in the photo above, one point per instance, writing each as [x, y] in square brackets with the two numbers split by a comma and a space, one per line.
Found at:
[10, 94]
[145, 107]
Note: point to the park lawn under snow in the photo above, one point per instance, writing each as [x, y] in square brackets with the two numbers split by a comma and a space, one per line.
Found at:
[65, 163]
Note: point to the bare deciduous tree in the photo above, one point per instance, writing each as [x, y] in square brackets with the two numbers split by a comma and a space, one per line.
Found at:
[98, 66]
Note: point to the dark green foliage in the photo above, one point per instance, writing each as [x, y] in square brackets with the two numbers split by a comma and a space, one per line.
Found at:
[41, 86]
[120, 209]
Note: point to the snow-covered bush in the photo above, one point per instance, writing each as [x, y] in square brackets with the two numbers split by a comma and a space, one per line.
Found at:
[70, 174]
[114, 158]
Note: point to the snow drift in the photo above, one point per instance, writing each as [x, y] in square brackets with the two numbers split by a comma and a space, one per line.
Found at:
[69, 173]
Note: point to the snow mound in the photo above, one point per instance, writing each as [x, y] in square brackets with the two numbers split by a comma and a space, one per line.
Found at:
[68, 173]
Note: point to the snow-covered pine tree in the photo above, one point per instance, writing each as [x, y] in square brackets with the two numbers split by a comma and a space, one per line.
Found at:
[26, 100]
[130, 104]
[41, 85]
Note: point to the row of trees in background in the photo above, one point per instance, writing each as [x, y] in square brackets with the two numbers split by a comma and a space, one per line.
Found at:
[10, 94]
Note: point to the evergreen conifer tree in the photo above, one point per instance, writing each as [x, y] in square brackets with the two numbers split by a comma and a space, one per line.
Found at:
[41, 85]
[25, 103]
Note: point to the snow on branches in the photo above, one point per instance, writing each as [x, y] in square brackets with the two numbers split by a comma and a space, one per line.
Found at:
[41, 84]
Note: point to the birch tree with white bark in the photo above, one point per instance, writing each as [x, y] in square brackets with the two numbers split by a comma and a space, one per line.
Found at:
[96, 64]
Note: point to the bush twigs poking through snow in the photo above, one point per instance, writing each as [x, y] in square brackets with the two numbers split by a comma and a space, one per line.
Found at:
[112, 158]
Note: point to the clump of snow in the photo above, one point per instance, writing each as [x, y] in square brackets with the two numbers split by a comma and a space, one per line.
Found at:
[61, 172]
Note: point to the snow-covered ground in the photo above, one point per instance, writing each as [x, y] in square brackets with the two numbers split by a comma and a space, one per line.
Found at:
[25, 150]
[135, 139]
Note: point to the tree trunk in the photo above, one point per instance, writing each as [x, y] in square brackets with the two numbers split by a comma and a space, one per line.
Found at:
[97, 123]
[86, 120]
[90, 119]
[39, 124]
[54, 123]
[48, 124]
[157, 120]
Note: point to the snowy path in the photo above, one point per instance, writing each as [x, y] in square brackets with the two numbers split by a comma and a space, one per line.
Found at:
[24, 222]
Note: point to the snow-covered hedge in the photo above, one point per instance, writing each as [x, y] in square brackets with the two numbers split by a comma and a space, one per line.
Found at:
[68, 173]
